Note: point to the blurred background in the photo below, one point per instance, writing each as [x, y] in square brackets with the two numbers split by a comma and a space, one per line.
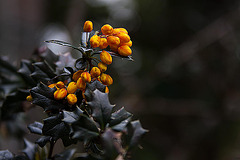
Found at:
[184, 84]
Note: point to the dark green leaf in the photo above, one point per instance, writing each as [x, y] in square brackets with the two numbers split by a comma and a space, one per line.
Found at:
[66, 155]
[42, 141]
[112, 144]
[29, 150]
[120, 119]
[25, 71]
[135, 132]
[39, 75]
[101, 107]
[44, 97]
[71, 117]
[86, 156]
[44, 66]
[92, 87]
[81, 63]
[6, 155]
[36, 128]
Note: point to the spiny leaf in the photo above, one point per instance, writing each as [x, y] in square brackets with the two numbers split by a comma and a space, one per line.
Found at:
[30, 149]
[120, 119]
[81, 63]
[35, 127]
[39, 75]
[44, 66]
[135, 133]
[101, 107]
[92, 87]
[42, 141]
[65, 155]
[71, 117]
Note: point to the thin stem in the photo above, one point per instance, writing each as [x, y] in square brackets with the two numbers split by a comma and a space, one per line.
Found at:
[51, 149]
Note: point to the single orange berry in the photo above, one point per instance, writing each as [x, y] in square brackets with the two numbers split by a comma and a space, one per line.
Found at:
[102, 66]
[77, 75]
[88, 26]
[29, 98]
[106, 57]
[109, 80]
[107, 29]
[60, 84]
[81, 84]
[129, 44]
[124, 50]
[103, 43]
[72, 87]
[95, 41]
[95, 72]
[86, 77]
[114, 48]
[60, 94]
[72, 99]
[52, 85]
[124, 38]
[123, 30]
[113, 40]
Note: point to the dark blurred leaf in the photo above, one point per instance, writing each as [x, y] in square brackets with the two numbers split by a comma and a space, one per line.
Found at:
[86, 156]
[35, 127]
[29, 150]
[6, 155]
[66, 155]
[25, 71]
[42, 141]
[44, 66]
[120, 119]
[81, 63]
[5, 64]
[13, 103]
[135, 133]
[39, 75]
[63, 44]
[101, 107]
[112, 143]
[20, 157]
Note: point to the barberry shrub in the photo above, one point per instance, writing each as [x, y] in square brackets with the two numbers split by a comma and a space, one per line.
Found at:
[76, 101]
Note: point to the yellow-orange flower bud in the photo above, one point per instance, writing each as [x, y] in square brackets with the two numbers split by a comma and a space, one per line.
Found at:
[52, 85]
[129, 44]
[60, 94]
[88, 26]
[106, 79]
[123, 30]
[95, 72]
[29, 98]
[86, 77]
[102, 66]
[107, 29]
[106, 90]
[72, 99]
[113, 40]
[114, 48]
[81, 84]
[103, 43]
[60, 84]
[77, 75]
[124, 38]
[106, 57]
[95, 41]
[72, 87]
[124, 50]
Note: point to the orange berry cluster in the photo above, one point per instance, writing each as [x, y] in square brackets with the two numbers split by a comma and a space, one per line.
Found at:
[116, 38]
[80, 78]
